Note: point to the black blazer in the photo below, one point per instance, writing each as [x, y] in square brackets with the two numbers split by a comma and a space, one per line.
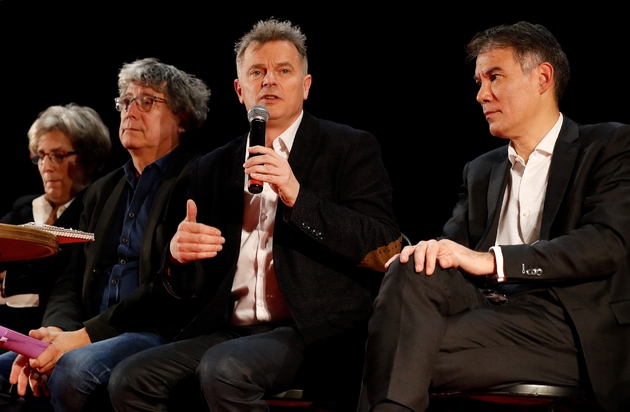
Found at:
[74, 303]
[583, 251]
[328, 249]
[38, 275]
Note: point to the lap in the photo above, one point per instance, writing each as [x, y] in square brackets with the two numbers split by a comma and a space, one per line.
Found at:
[272, 359]
[110, 351]
[528, 339]
[167, 374]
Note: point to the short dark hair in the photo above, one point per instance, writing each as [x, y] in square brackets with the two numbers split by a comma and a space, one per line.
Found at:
[533, 44]
[273, 30]
[186, 95]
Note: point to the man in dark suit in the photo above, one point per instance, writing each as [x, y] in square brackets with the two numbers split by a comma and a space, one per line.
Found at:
[133, 212]
[286, 276]
[545, 222]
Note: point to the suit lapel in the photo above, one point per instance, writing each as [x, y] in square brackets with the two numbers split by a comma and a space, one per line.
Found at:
[304, 146]
[564, 156]
[496, 190]
[234, 178]
[102, 225]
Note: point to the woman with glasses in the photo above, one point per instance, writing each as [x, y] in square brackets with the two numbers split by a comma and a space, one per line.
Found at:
[69, 145]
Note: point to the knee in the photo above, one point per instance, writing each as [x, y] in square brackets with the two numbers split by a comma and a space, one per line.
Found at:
[70, 368]
[401, 276]
[123, 381]
[218, 369]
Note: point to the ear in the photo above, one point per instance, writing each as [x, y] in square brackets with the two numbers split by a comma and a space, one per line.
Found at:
[546, 79]
[306, 84]
[239, 91]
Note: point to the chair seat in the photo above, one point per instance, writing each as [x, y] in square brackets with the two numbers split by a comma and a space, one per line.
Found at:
[525, 395]
[525, 390]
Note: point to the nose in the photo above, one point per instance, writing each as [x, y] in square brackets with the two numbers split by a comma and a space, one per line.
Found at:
[46, 163]
[269, 79]
[485, 93]
[131, 110]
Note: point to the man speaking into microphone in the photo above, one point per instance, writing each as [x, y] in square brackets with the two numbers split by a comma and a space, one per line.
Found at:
[284, 278]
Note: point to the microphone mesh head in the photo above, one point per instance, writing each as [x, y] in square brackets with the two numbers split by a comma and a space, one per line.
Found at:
[259, 112]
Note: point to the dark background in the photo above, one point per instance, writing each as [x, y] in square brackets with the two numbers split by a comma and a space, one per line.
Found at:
[398, 72]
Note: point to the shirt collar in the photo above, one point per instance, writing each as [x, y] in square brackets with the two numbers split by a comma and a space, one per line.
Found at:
[545, 146]
[160, 165]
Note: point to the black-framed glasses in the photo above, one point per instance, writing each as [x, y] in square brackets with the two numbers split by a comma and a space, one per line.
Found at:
[55, 157]
[144, 102]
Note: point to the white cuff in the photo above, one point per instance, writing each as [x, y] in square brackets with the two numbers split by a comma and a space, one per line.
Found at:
[498, 257]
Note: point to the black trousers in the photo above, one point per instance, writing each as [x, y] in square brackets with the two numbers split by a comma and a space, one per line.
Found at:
[439, 332]
[228, 370]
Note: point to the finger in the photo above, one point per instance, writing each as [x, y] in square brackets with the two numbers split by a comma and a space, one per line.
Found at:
[430, 257]
[191, 211]
[42, 384]
[22, 382]
[18, 364]
[391, 260]
[420, 256]
[33, 381]
[406, 253]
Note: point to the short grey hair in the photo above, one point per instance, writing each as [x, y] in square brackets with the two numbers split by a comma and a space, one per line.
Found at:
[186, 95]
[533, 44]
[272, 30]
[84, 128]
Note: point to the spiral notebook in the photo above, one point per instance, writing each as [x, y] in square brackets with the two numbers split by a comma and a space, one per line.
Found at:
[63, 234]
[20, 343]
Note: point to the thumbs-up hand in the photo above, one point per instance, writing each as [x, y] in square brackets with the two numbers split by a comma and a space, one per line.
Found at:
[194, 241]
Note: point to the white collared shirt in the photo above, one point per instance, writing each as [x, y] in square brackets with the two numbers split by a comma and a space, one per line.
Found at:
[524, 199]
[42, 209]
[255, 288]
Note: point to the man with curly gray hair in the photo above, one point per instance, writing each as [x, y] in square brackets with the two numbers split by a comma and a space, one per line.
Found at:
[133, 212]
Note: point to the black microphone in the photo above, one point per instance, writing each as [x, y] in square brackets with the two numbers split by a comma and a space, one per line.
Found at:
[257, 116]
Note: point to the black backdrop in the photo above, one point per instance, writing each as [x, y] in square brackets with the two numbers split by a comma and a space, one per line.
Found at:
[398, 72]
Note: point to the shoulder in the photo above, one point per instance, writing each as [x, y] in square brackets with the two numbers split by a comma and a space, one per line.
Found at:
[489, 159]
[25, 201]
[332, 131]
[21, 211]
[603, 131]
[103, 187]
[227, 151]
[105, 182]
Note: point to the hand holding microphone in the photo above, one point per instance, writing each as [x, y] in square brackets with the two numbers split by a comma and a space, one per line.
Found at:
[257, 116]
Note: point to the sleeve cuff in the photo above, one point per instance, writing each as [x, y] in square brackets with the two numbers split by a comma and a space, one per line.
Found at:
[498, 256]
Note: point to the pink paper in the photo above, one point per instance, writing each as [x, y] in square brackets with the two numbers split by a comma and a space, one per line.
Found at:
[20, 343]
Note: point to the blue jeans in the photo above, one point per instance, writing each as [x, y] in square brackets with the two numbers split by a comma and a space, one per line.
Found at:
[6, 361]
[79, 380]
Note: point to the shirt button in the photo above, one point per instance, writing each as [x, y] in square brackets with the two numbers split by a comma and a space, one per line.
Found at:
[264, 217]
[526, 213]
[123, 261]
[125, 240]
[114, 282]
[131, 214]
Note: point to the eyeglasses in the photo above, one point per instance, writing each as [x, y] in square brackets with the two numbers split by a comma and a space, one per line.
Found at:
[55, 157]
[144, 102]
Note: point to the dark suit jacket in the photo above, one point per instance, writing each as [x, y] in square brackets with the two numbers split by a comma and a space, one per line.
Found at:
[39, 275]
[74, 302]
[327, 249]
[583, 251]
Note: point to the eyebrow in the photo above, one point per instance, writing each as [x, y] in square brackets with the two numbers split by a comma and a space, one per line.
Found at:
[486, 72]
[54, 149]
[261, 65]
